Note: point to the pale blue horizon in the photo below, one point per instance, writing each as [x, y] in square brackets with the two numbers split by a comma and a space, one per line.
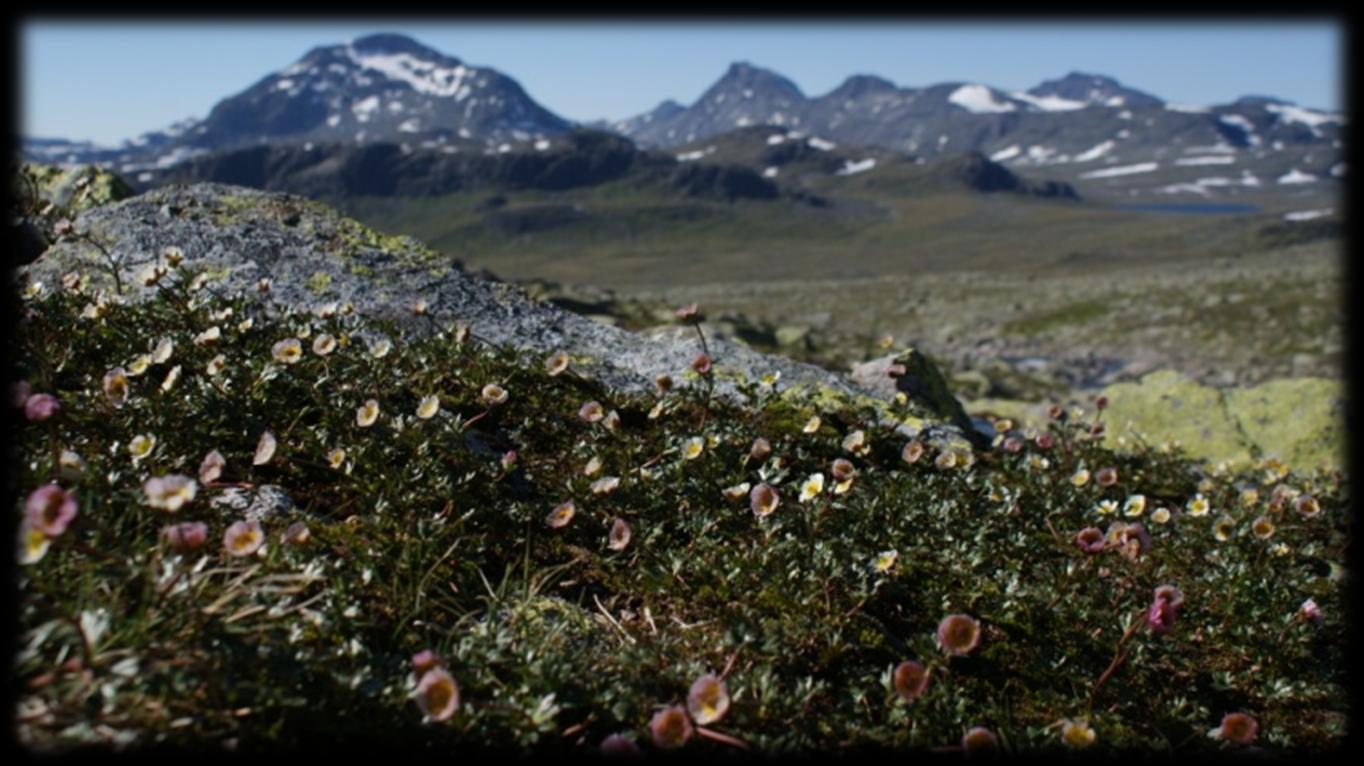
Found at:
[143, 76]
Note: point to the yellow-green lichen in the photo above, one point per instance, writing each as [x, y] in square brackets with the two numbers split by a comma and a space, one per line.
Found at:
[319, 282]
[1300, 421]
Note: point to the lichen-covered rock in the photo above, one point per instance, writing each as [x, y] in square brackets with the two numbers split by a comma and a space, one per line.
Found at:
[312, 256]
[921, 381]
[76, 188]
[1299, 421]
[264, 503]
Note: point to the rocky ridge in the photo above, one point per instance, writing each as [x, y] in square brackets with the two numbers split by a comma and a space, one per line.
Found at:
[314, 258]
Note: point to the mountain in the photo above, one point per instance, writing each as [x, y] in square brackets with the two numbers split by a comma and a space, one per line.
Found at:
[1086, 129]
[1078, 90]
[1102, 137]
[379, 88]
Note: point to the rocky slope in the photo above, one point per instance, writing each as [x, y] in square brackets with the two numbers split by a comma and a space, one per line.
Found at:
[313, 258]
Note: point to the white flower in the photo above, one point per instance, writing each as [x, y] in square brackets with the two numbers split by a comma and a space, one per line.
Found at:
[1199, 506]
[692, 448]
[885, 560]
[367, 414]
[139, 365]
[208, 336]
[216, 365]
[812, 487]
[428, 407]
[1135, 506]
[141, 446]
[170, 493]
[164, 348]
[379, 347]
[265, 449]
[605, 485]
[171, 377]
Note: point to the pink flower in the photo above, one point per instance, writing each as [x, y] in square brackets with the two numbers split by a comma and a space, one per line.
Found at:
[701, 363]
[670, 727]
[187, 536]
[508, 459]
[115, 385]
[297, 534]
[50, 509]
[212, 467]
[619, 536]
[842, 469]
[619, 745]
[561, 515]
[763, 499]
[1044, 441]
[437, 695]
[591, 412]
[1012, 444]
[688, 313]
[1090, 540]
[243, 538]
[708, 699]
[1164, 609]
[980, 741]
[1237, 727]
[1134, 540]
[760, 450]
[40, 407]
[1107, 477]
[958, 634]
[424, 660]
[1310, 611]
[911, 680]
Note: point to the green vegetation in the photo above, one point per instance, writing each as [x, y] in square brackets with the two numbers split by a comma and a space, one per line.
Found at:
[428, 534]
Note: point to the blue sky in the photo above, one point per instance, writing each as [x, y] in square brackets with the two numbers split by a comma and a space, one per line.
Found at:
[109, 81]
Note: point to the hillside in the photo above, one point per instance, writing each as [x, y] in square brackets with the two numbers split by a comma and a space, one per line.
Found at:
[386, 528]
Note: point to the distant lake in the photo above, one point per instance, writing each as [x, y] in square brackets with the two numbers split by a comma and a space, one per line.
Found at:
[1191, 208]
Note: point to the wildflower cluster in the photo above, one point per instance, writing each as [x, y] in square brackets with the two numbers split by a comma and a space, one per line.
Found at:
[485, 547]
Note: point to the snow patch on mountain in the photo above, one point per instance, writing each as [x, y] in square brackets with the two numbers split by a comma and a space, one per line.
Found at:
[1296, 176]
[978, 99]
[1242, 124]
[1006, 153]
[423, 76]
[1206, 160]
[860, 166]
[1049, 103]
[1095, 152]
[1124, 170]
[1309, 117]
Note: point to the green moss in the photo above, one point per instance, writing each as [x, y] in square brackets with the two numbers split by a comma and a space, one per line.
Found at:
[360, 270]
